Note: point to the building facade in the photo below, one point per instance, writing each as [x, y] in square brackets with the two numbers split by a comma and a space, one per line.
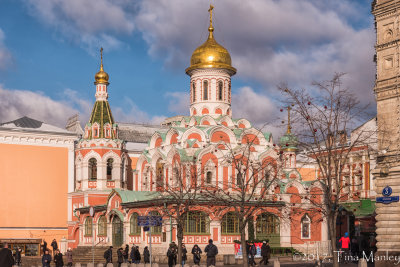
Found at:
[387, 172]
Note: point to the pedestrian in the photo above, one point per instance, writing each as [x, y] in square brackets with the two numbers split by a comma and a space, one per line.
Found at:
[18, 253]
[146, 255]
[251, 253]
[196, 251]
[54, 246]
[6, 257]
[46, 258]
[137, 255]
[126, 253]
[212, 252]
[354, 247]
[171, 254]
[120, 257]
[133, 253]
[69, 257]
[345, 241]
[108, 255]
[265, 252]
[58, 259]
[44, 246]
[184, 256]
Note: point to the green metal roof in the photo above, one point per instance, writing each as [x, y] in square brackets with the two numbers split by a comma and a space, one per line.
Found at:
[132, 196]
[362, 208]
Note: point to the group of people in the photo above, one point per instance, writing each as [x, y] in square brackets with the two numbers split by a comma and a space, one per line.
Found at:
[124, 255]
[211, 251]
[252, 252]
[57, 255]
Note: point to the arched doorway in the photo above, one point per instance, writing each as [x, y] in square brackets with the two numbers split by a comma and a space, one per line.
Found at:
[267, 227]
[117, 231]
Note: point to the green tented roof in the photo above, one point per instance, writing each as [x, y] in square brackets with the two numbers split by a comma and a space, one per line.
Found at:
[101, 114]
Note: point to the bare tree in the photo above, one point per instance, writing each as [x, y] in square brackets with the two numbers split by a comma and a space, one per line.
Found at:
[324, 115]
[180, 195]
[249, 189]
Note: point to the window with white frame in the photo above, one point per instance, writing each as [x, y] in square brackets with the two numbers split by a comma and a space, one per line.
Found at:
[306, 227]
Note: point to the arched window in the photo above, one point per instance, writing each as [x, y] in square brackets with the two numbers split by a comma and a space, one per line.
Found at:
[267, 227]
[155, 229]
[305, 227]
[196, 222]
[109, 168]
[176, 177]
[209, 177]
[134, 228]
[89, 226]
[230, 224]
[92, 166]
[239, 179]
[229, 92]
[194, 91]
[205, 90]
[220, 90]
[123, 171]
[102, 225]
[159, 175]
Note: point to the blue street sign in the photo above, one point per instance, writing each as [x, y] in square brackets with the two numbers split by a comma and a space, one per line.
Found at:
[149, 221]
[387, 191]
[387, 200]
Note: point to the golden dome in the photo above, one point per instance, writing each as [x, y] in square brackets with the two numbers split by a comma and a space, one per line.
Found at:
[101, 76]
[211, 54]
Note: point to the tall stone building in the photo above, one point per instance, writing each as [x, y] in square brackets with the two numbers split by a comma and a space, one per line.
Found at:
[387, 172]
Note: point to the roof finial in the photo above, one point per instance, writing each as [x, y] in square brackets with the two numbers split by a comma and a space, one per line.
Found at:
[289, 127]
[101, 56]
[211, 28]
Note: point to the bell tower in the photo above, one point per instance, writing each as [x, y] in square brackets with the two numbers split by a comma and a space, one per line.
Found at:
[387, 92]
[210, 74]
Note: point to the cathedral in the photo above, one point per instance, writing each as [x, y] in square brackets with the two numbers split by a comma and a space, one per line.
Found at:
[202, 140]
[121, 171]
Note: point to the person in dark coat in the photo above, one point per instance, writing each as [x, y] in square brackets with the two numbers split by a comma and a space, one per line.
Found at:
[171, 254]
[265, 252]
[126, 253]
[108, 255]
[46, 259]
[44, 246]
[146, 255]
[6, 257]
[137, 255]
[184, 256]
[54, 246]
[251, 253]
[211, 251]
[120, 257]
[133, 253]
[196, 251]
[18, 252]
[58, 259]
[69, 257]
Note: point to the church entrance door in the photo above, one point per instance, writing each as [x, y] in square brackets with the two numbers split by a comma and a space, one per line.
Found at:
[117, 232]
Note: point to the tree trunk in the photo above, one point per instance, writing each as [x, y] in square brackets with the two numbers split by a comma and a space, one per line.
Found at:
[242, 227]
[332, 235]
[180, 239]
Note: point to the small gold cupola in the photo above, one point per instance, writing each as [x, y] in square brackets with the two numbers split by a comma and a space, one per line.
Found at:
[101, 76]
[211, 54]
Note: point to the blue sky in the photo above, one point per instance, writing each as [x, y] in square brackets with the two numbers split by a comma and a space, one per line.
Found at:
[49, 53]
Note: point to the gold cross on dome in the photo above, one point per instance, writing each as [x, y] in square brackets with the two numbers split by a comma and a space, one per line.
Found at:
[289, 127]
[210, 10]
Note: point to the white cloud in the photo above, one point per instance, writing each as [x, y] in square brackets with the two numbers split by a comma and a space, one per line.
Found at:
[178, 102]
[5, 55]
[90, 23]
[269, 41]
[18, 103]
